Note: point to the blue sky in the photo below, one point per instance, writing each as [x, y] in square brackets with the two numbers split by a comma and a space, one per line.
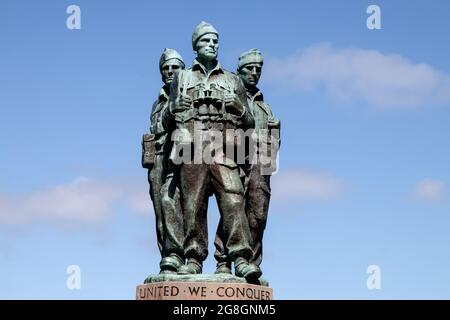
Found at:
[363, 176]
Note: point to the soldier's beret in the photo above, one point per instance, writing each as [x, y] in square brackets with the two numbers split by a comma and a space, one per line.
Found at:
[169, 54]
[202, 29]
[250, 56]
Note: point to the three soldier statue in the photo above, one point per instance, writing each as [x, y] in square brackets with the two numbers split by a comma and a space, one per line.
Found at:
[211, 134]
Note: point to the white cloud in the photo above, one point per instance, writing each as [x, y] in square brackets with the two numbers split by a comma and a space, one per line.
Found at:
[428, 190]
[385, 81]
[82, 201]
[86, 201]
[306, 185]
[136, 197]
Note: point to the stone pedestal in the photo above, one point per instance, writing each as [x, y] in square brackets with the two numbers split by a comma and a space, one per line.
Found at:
[201, 287]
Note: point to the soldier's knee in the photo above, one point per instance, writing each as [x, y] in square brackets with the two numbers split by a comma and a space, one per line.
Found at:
[233, 201]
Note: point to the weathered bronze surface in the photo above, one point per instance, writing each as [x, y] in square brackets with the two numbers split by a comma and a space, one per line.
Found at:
[196, 148]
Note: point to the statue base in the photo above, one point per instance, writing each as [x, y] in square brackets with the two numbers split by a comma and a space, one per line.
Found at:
[201, 287]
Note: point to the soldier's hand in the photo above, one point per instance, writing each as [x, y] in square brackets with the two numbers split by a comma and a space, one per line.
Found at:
[184, 102]
[233, 105]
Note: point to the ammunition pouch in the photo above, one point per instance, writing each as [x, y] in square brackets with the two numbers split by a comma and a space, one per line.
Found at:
[148, 150]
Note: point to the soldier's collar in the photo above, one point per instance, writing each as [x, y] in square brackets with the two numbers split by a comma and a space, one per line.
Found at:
[198, 66]
[258, 96]
[163, 95]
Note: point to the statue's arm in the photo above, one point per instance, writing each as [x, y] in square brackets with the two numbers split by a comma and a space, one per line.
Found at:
[274, 125]
[248, 122]
[168, 118]
[155, 104]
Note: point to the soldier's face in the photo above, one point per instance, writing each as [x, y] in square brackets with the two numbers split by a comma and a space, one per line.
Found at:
[250, 74]
[207, 46]
[169, 70]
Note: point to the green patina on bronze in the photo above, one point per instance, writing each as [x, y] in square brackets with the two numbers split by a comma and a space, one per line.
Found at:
[208, 97]
[161, 174]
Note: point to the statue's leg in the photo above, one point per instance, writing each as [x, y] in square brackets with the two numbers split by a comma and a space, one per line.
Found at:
[155, 178]
[221, 255]
[194, 182]
[257, 206]
[229, 193]
[173, 250]
[230, 200]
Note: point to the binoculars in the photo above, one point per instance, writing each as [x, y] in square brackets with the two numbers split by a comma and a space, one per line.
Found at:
[209, 96]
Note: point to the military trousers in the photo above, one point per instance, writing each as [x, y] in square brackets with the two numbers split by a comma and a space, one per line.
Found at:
[165, 195]
[198, 181]
[257, 198]
[172, 216]
[155, 179]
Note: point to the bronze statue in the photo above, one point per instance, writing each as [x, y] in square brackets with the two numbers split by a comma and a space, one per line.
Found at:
[194, 115]
[164, 195]
[257, 180]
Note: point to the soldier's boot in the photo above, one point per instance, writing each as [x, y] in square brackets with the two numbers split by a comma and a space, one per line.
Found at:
[249, 271]
[223, 267]
[192, 267]
[170, 264]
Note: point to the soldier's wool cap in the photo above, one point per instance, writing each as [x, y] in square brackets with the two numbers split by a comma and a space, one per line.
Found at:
[169, 54]
[250, 56]
[202, 29]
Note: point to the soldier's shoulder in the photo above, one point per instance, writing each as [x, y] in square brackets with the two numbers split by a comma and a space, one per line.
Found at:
[269, 108]
[185, 74]
[230, 74]
[264, 105]
[154, 104]
[234, 80]
[156, 101]
[187, 70]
